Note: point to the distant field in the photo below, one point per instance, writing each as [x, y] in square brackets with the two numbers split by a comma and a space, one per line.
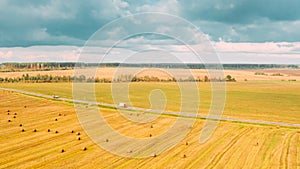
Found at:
[233, 145]
[240, 75]
[262, 100]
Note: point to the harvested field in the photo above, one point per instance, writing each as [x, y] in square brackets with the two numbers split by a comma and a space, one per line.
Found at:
[232, 145]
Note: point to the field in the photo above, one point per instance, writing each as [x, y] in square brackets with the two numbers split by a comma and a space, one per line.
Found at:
[263, 100]
[240, 75]
[233, 145]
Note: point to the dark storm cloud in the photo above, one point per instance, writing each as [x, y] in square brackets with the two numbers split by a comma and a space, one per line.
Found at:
[72, 22]
[35, 22]
[241, 11]
[245, 20]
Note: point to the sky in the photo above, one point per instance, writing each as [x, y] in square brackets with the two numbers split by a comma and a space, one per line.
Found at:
[240, 31]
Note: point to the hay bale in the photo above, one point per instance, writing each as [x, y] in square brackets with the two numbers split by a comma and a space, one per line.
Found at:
[106, 140]
[14, 117]
[20, 125]
[9, 120]
[186, 143]
[8, 113]
[72, 131]
[34, 130]
[15, 114]
[23, 130]
[62, 150]
[84, 149]
[56, 131]
[55, 119]
[8, 110]
[59, 114]
[25, 107]
[49, 130]
[151, 126]
[184, 156]
[78, 134]
[79, 138]
[150, 135]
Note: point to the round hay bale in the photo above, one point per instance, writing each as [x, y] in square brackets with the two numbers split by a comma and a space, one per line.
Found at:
[78, 138]
[106, 140]
[72, 131]
[84, 149]
[23, 130]
[8, 110]
[20, 125]
[59, 114]
[25, 107]
[78, 134]
[14, 117]
[150, 135]
[62, 150]
[34, 130]
[151, 126]
[186, 143]
[8, 113]
[56, 131]
[55, 119]
[15, 114]
[48, 130]
[9, 120]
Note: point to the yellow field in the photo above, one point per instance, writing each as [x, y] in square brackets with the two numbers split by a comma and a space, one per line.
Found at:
[233, 145]
[240, 75]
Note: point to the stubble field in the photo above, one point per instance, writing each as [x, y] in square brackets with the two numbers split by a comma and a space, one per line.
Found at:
[233, 145]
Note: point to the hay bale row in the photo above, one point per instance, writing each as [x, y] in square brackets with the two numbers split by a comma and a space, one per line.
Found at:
[63, 150]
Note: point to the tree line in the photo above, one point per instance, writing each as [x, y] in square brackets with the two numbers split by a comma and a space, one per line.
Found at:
[26, 78]
[47, 66]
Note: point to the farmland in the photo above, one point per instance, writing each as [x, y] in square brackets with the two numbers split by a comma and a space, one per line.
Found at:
[47, 126]
[240, 75]
[263, 100]
[232, 145]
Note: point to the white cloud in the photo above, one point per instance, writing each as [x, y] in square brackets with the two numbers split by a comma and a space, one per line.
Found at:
[6, 55]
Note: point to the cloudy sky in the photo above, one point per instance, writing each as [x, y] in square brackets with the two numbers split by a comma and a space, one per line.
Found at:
[241, 31]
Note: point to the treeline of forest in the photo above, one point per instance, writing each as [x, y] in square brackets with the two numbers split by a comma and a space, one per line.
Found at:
[122, 78]
[47, 66]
